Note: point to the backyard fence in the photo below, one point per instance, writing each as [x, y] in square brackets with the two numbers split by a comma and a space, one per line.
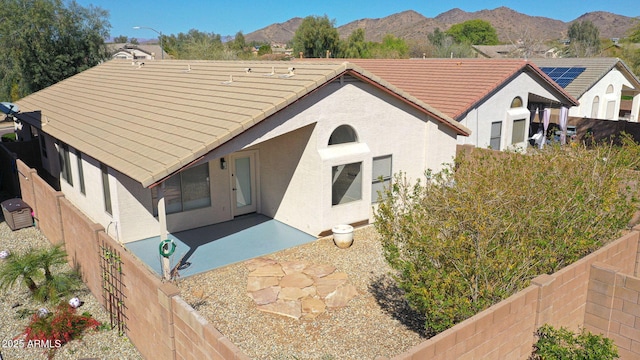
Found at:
[599, 292]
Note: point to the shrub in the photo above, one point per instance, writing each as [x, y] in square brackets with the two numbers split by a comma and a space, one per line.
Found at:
[562, 344]
[479, 231]
[59, 327]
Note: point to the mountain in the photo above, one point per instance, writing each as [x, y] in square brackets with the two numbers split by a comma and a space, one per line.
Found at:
[410, 25]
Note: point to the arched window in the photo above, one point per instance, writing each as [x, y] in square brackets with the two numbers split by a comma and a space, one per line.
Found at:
[595, 107]
[516, 102]
[343, 134]
[610, 89]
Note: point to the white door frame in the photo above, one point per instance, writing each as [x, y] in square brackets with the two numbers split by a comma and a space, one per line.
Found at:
[252, 183]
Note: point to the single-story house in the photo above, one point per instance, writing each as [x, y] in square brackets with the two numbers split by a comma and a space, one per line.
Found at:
[495, 98]
[135, 51]
[599, 84]
[146, 148]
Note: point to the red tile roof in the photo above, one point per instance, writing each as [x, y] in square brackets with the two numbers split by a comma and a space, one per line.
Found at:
[452, 86]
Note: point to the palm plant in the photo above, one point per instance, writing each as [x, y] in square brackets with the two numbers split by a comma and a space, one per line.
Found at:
[20, 266]
[36, 264]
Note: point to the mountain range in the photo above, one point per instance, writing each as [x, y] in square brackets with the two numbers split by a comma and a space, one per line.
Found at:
[410, 25]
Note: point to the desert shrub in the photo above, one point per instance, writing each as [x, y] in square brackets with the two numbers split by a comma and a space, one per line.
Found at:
[479, 231]
[57, 328]
[562, 344]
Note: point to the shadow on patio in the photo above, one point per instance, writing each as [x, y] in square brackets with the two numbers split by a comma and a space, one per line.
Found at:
[210, 247]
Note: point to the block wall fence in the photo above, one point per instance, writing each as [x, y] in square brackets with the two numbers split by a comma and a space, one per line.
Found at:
[599, 292]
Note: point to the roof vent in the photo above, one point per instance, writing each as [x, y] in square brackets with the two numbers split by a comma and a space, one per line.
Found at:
[228, 81]
[289, 74]
[273, 71]
[247, 70]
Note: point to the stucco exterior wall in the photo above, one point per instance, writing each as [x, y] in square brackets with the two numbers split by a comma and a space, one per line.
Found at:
[294, 164]
[614, 78]
[497, 107]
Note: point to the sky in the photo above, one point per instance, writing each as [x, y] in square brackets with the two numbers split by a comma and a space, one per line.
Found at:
[228, 17]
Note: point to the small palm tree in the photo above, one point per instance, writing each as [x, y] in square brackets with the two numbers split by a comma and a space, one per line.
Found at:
[57, 284]
[36, 264]
[20, 266]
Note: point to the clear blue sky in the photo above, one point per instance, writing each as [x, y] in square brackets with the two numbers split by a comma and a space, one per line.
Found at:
[230, 16]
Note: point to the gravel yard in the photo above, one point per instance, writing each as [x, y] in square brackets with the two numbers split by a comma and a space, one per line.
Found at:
[375, 324]
[95, 344]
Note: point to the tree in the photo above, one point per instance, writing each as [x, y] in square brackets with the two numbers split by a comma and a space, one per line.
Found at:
[198, 45]
[584, 37]
[444, 46]
[477, 233]
[120, 39]
[474, 32]
[315, 37]
[356, 47]
[44, 42]
[391, 47]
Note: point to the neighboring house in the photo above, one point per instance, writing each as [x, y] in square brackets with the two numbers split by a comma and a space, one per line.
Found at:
[600, 84]
[308, 146]
[494, 98]
[514, 51]
[135, 52]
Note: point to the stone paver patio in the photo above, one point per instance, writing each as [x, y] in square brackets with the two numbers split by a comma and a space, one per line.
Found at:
[297, 289]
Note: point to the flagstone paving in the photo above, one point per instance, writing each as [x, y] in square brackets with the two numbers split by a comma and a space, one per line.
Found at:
[296, 289]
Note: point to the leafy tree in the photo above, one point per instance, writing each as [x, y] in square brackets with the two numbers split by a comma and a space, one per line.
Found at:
[391, 47]
[316, 36]
[120, 39]
[474, 32]
[356, 47]
[44, 42]
[584, 37]
[264, 50]
[466, 239]
[563, 344]
[197, 45]
[445, 46]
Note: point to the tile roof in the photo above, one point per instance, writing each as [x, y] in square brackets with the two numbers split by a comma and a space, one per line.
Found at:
[453, 86]
[595, 69]
[148, 120]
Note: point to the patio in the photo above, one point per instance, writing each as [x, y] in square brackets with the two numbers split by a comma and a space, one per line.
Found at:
[210, 247]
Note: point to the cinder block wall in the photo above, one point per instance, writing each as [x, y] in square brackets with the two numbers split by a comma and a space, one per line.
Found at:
[163, 326]
[613, 308]
[159, 323]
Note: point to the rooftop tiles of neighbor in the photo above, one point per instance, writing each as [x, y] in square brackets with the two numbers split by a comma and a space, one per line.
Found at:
[214, 246]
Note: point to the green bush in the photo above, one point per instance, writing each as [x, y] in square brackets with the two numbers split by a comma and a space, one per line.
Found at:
[37, 269]
[466, 239]
[562, 344]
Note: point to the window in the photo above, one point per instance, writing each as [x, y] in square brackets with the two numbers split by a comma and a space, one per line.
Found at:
[343, 134]
[517, 135]
[106, 191]
[186, 190]
[594, 107]
[381, 177]
[80, 172]
[496, 134]
[516, 102]
[65, 166]
[346, 183]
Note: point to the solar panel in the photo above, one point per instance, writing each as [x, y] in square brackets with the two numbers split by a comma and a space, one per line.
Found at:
[563, 76]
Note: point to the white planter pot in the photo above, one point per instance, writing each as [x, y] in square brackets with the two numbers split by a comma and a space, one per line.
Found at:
[342, 235]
